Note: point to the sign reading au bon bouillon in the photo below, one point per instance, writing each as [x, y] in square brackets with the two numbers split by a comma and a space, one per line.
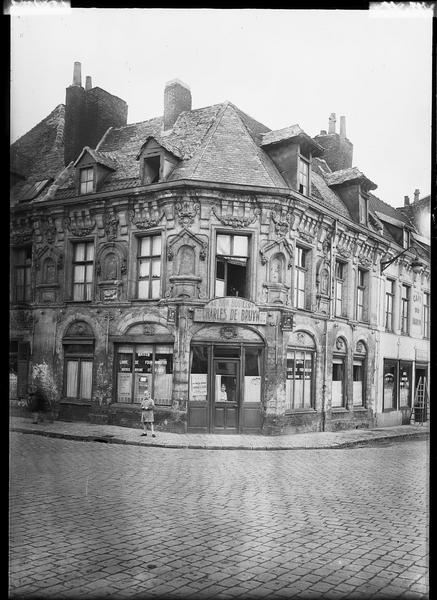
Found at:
[230, 310]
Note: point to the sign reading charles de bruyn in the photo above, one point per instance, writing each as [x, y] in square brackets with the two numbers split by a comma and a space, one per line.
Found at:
[230, 310]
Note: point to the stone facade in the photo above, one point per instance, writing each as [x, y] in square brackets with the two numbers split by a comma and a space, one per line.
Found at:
[135, 283]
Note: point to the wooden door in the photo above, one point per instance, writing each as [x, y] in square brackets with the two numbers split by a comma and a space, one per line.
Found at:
[226, 395]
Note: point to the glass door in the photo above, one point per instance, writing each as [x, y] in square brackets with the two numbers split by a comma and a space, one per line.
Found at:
[226, 391]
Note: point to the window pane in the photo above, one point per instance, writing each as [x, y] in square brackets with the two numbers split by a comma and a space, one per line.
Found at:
[90, 251]
[156, 250]
[72, 369]
[86, 379]
[240, 245]
[219, 288]
[144, 268]
[89, 272]
[79, 252]
[156, 267]
[145, 246]
[156, 287]
[124, 375]
[224, 244]
[79, 273]
[143, 289]
[88, 291]
[163, 383]
[78, 291]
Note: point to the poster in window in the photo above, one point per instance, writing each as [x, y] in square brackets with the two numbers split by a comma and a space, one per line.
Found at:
[198, 387]
[124, 386]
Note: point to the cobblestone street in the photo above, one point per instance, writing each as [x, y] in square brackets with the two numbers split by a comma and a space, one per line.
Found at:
[94, 520]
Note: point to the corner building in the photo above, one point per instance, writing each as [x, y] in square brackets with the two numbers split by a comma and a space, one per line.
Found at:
[235, 268]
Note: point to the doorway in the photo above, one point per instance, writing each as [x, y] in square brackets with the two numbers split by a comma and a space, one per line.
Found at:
[226, 394]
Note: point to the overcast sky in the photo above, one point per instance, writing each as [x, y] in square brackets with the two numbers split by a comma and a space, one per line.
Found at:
[279, 66]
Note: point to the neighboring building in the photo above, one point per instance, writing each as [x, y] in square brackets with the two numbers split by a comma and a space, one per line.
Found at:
[235, 268]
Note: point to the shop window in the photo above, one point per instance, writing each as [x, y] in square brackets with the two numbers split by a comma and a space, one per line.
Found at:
[83, 270]
[338, 382]
[22, 262]
[426, 313]
[390, 385]
[389, 298]
[145, 362]
[299, 382]
[300, 280]
[362, 295]
[149, 267]
[86, 180]
[405, 308]
[304, 176]
[405, 370]
[199, 374]
[231, 269]
[340, 289]
[252, 377]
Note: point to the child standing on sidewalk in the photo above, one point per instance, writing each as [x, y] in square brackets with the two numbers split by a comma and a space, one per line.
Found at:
[147, 406]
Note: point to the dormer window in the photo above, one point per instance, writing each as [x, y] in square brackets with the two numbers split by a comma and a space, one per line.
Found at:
[152, 169]
[406, 238]
[362, 209]
[86, 180]
[304, 175]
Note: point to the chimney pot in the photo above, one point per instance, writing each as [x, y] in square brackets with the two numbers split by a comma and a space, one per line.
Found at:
[406, 201]
[177, 99]
[343, 126]
[88, 83]
[416, 195]
[323, 132]
[77, 74]
[332, 121]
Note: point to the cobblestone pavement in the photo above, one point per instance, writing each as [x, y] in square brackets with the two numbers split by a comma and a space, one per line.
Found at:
[118, 521]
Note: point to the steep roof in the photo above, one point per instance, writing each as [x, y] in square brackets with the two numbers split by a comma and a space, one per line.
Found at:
[378, 206]
[349, 176]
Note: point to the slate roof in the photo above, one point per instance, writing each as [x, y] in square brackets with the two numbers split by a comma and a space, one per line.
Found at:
[377, 205]
[349, 175]
[101, 158]
[289, 133]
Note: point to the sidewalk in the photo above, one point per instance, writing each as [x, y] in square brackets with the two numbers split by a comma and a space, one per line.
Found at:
[302, 441]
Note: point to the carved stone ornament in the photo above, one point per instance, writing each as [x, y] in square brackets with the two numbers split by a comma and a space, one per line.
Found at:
[339, 344]
[306, 237]
[21, 319]
[281, 223]
[228, 332]
[171, 314]
[236, 221]
[360, 348]
[80, 224]
[49, 229]
[78, 329]
[187, 211]
[148, 329]
[142, 219]
[22, 231]
[365, 261]
[344, 252]
[110, 223]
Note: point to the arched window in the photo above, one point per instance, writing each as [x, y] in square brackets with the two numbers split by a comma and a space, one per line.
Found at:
[338, 395]
[300, 371]
[78, 344]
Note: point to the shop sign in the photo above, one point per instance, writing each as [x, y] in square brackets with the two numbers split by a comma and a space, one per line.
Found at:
[230, 310]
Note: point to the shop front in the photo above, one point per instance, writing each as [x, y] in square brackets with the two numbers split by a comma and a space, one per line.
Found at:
[226, 368]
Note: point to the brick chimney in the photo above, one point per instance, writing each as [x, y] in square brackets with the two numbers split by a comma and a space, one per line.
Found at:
[89, 113]
[338, 149]
[416, 195]
[177, 99]
[406, 201]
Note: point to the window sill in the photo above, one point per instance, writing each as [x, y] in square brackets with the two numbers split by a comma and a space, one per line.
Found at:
[359, 408]
[294, 411]
[339, 409]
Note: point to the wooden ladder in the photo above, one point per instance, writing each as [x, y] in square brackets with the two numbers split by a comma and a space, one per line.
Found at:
[420, 405]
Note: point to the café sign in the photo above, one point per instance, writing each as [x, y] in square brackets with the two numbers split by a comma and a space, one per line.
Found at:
[230, 310]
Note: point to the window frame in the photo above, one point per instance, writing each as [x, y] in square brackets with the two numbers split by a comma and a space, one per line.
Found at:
[89, 189]
[140, 258]
[232, 235]
[338, 359]
[300, 268]
[340, 281]
[361, 307]
[303, 175]
[405, 309]
[146, 168]
[389, 299]
[25, 268]
[85, 263]
[86, 355]
[426, 314]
